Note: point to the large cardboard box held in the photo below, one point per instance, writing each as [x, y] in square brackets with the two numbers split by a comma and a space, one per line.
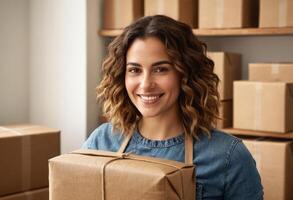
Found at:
[228, 13]
[274, 161]
[228, 69]
[225, 112]
[263, 106]
[99, 175]
[24, 154]
[120, 13]
[182, 10]
[39, 194]
[276, 13]
[270, 72]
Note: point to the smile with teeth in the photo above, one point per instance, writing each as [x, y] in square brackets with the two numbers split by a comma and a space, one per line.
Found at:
[150, 98]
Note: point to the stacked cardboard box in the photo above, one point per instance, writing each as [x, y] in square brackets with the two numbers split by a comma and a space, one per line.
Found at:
[119, 14]
[228, 69]
[270, 72]
[274, 160]
[185, 11]
[228, 13]
[38, 194]
[276, 13]
[24, 154]
[264, 104]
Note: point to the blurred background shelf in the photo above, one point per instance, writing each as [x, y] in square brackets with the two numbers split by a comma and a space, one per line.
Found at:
[220, 32]
[233, 131]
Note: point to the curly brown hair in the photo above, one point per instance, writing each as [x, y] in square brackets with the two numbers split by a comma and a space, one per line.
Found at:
[198, 98]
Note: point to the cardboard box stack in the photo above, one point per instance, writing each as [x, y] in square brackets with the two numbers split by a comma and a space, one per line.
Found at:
[263, 104]
[276, 13]
[228, 69]
[24, 154]
[119, 14]
[274, 160]
[228, 13]
[185, 11]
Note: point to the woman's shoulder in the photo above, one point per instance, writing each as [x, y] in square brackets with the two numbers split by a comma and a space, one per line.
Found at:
[226, 155]
[223, 146]
[218, 139]
[104, 128]
[104, 137]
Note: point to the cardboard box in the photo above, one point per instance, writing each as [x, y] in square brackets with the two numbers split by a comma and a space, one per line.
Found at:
[226, 113]
[270, 72]
[98, 175]
[118, 14]
[40, 194]
[24, 154]
[276, 13]
[182, 10]
[228, 69]
[228, 13]
[263, 106]
[274, 160]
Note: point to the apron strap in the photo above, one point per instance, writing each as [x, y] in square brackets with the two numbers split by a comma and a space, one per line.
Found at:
[125, 142]
[188, 143]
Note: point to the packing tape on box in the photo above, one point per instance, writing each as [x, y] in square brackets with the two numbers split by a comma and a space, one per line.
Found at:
[255, 150]
[123, 155]
[161, 6]
[258, 106]
[25, 153]
[282, 18]
[275, 69]
[219, 13]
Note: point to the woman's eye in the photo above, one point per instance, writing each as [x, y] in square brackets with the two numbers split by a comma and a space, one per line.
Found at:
[161, 69]
[134, 70]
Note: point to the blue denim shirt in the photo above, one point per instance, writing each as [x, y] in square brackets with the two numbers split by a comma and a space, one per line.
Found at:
[225, 168]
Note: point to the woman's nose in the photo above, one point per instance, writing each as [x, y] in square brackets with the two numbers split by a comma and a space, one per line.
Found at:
[146, 81]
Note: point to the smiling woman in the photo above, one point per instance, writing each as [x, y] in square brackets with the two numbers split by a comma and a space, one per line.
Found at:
[159, 87]
[153, 86]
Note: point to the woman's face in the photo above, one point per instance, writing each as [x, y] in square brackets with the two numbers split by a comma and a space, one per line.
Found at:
[151, 81]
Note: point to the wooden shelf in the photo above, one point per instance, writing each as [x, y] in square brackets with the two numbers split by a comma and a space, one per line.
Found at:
[244, 32]
[221, 32]
[258, 133]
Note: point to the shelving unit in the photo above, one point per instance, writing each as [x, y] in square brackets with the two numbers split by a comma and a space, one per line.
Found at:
[221, 32]
[243, 32]
[233, 131]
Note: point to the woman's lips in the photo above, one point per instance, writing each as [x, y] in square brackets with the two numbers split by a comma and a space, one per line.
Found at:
[150, 99]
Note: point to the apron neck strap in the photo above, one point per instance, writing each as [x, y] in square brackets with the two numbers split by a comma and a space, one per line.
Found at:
[188, 143]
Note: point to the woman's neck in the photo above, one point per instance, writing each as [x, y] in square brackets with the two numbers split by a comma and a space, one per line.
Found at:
[160, 129]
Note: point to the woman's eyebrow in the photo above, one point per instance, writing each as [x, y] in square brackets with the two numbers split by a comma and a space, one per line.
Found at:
[162, 62]
[154, 64]
[133, 64]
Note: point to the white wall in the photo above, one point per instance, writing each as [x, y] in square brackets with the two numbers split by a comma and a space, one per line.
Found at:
[49, 56]
[14, 63]
[95, 54]
[63, 67]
